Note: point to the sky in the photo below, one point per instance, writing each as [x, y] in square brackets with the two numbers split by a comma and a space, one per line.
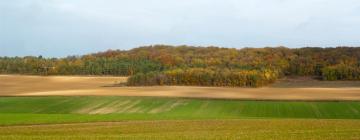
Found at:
[58, 28]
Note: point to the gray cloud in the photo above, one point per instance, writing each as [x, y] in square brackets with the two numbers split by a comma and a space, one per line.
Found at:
[65, 27]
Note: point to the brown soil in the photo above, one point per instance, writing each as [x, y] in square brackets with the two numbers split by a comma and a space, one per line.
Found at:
[15, 85]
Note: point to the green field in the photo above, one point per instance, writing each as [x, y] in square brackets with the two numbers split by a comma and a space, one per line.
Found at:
[105, 117]
[39, 110]
[281, 129]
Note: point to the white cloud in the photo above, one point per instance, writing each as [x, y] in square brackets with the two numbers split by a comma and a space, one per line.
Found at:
[48, 26]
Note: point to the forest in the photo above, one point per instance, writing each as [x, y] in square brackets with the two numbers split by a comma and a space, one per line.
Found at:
[201, 66]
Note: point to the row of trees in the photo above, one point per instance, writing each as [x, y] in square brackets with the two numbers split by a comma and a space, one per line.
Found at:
[341, 72]
[162, 60]
[76, 66]
[205, 77]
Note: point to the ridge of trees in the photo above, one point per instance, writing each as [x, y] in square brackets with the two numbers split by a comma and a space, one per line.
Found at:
[205, 77]
[205, 66]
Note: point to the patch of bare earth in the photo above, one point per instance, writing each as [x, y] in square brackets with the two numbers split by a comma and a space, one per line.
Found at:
[15, 85]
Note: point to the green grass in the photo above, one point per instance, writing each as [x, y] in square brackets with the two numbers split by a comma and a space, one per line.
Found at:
[44, 110]
[254, 129]
[139, 118]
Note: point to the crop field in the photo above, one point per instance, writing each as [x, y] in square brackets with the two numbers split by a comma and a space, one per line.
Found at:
[114, 117]
[35, 110]
[15, 85]
[195, 129]
[82, 108]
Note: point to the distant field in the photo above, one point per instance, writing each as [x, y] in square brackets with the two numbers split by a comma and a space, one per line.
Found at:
[309, 82]
[18, 84]
[39, 110]
[184, 130]
[15, 85]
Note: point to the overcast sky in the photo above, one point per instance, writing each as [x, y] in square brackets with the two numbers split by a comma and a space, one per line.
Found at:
[56, 28]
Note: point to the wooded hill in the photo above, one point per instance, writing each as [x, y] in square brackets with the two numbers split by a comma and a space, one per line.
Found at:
[204, 66]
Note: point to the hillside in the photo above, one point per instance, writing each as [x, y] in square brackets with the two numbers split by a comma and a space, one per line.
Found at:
[200, 66]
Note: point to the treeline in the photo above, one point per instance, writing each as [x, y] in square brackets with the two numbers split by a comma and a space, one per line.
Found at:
[205, 77]
[86, 65]
[206, 66]
[341, 72]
